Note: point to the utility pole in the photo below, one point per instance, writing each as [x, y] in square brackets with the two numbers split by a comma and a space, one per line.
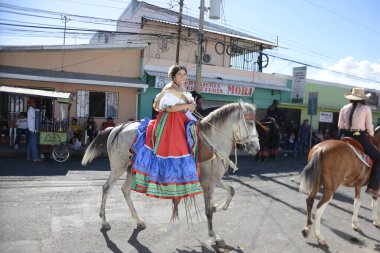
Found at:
[199, 48]
[64, 31]
[179, 31]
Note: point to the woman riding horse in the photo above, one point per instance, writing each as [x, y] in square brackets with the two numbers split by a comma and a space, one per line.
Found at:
[356, 120]
[163, 166]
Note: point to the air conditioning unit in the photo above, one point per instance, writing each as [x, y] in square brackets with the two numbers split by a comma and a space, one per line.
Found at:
[206, 58]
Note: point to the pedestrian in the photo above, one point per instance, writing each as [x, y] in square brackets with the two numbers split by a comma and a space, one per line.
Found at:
[32, 152]
[91, 129]
[21, 128]
[303, 138]
[75, 130]
[198, 98]
[108, 123]
[163, 165]
[355, 118]
[273, 111]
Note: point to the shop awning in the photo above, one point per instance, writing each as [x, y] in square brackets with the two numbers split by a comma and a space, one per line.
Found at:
[35, 92]
[47, 75]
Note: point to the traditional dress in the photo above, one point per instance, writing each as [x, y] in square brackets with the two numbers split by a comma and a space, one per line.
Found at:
[163, 163]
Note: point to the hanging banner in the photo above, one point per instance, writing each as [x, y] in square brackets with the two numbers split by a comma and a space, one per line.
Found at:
[211, 87]
[299, 82]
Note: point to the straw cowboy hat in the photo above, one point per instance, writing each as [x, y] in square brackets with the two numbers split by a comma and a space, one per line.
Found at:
[356, 94]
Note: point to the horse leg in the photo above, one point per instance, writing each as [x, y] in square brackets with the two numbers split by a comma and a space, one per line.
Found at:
[309, 204]
[375, 206]
[126, 189]
[208, 196]
[115, 174]
[325, 200]
[231, 192]
[355, 222]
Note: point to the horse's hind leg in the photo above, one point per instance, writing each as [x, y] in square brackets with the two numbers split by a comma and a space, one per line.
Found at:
[309, 205]
[325, 200]
[375, 206]
[355, 223]
[115, 174]
[231, 192]
[126, 189]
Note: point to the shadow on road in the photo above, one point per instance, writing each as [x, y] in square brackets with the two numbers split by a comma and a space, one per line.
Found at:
[324, 248]
[136, 244]
[16, 166]
[289, 166]
[110, 244]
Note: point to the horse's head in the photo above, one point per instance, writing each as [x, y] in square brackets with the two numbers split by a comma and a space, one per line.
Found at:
[245, 133]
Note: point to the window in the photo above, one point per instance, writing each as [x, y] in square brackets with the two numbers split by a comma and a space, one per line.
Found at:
[97, 104]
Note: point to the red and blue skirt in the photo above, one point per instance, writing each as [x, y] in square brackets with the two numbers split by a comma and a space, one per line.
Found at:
[163, 162]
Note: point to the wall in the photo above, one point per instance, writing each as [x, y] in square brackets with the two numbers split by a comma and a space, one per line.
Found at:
[121, 62]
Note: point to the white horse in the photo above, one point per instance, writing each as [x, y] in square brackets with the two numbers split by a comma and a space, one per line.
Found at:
[222, 129]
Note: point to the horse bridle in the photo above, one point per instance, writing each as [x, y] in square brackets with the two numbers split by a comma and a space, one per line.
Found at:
[250, 137]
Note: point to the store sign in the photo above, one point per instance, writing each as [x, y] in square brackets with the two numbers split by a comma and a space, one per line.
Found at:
[326, 117]
[299, 82]
[211, 87]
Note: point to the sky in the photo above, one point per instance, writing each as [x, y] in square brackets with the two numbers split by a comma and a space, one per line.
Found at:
[337, 39]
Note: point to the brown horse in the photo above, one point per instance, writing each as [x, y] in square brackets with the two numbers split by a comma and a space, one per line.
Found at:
[333, 163]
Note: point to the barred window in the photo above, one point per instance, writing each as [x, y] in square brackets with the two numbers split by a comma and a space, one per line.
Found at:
[97, 104]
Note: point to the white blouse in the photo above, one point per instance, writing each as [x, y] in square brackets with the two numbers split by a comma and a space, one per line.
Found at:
[169, 99]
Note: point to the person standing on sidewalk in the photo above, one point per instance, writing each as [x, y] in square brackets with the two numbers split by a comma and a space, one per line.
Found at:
[32, 152]
[22, 128]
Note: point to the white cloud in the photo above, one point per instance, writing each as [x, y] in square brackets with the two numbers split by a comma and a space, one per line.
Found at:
[361, 69]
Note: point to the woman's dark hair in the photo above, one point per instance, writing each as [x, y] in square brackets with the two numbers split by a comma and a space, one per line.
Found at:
[173, 70]
[354, 104]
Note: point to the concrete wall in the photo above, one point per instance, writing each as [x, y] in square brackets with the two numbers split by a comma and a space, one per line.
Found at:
[121, 62]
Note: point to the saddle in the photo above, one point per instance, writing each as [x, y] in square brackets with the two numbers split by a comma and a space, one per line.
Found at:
[359, 151]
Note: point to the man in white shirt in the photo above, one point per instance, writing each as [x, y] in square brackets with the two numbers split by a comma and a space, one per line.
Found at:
[32, 149]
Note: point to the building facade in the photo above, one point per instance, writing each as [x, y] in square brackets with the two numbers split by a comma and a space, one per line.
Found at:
[104, 80]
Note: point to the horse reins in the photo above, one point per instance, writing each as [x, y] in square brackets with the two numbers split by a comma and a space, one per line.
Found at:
[234, 141]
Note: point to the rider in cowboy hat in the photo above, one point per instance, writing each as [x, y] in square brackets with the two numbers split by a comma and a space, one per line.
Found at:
[356, 119]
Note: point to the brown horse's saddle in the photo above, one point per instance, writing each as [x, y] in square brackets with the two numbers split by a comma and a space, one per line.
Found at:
[358, 150]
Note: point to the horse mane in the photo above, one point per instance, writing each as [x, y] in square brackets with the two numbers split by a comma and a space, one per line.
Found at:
[220, 115]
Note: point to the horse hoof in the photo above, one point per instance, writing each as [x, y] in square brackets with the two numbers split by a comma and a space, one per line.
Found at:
[305, 232]
[106, 226]
[356, 228]
[220, 243]
[322, 242]
[141, 226]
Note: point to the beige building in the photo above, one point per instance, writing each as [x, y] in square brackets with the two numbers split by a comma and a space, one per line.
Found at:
[103, 80]
[231, 63]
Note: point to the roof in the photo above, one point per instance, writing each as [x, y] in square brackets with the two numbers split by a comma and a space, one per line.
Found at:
[266, 43]
[46, 75]
[131, 46]
[35, 92]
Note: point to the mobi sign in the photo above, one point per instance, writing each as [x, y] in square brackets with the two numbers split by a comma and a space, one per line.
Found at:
[212, 87]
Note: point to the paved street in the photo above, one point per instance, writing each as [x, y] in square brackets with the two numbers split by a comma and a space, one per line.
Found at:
[52, 207]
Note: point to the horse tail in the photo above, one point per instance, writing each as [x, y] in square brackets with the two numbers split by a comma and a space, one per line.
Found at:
[97, 147]
[311, 174]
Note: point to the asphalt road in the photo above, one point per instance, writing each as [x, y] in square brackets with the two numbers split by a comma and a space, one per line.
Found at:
[52, 207]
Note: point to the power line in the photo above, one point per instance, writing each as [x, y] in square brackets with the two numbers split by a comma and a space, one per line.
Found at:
[343, 17]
